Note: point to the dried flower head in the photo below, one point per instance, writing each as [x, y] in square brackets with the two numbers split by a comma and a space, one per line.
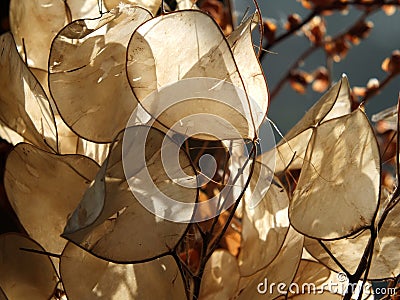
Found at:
[219, 13]
[321, 80]
[269, 30]
[315, 30]
[299, 80]
[293, 21]
[359, 31]
[327, 6]
[337, 48]
[359, 91]
[373, 84]
[389, 9]
[372, 87]
[391, 64]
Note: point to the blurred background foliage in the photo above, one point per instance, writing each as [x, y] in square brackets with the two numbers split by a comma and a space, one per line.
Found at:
[362, 62]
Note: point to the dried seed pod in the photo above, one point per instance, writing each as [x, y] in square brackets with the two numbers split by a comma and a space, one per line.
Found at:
[293, 21]
[299, 80]
[219, 13]
[389, 9]
[337, 49]
[359, 31]
[352, 168]
[392, 65]
[315, 30]
[321, 80]
[269, 30]
[326, 6]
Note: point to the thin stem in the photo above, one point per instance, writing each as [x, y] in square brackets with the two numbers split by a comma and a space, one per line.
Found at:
[366, 272]
[183, 270]
[295, 65]
[382, 85]
[287, 34]
[219, 206]
[206, 255]
[337, 262]
[329, 67]
[310, 51]
[202, 233]
[397, 143]
[317, 11]
[41, 252]
[366, 259]
[364, 262]
[235, 206]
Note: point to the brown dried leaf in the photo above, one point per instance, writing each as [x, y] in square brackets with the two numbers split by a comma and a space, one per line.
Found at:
[269, 30]
[321, 80]
[348, 251]
[83, 8]
[310, 272]
[293, 21]
[299, 80]
[359, 31]
[313, 278]
[249, 67]
[337, 49]
[392, 65]
[219, 12]
[315, 30]
[10, 135]
[334, 103]
[389, 9]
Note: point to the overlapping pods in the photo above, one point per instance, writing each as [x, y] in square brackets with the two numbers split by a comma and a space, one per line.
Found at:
[87, 73]
[212, 90]
[112, 223]
[99, 70]
[44, 189]
[24, 272]
[24, 107]
[159, 278]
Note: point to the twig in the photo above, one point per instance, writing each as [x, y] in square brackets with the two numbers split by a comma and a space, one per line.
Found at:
[310, 51]
[206, 255]
[287, 34]
[219, 206]
[373, 92]
[317, 11]
[337, 262]
[295, 65]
